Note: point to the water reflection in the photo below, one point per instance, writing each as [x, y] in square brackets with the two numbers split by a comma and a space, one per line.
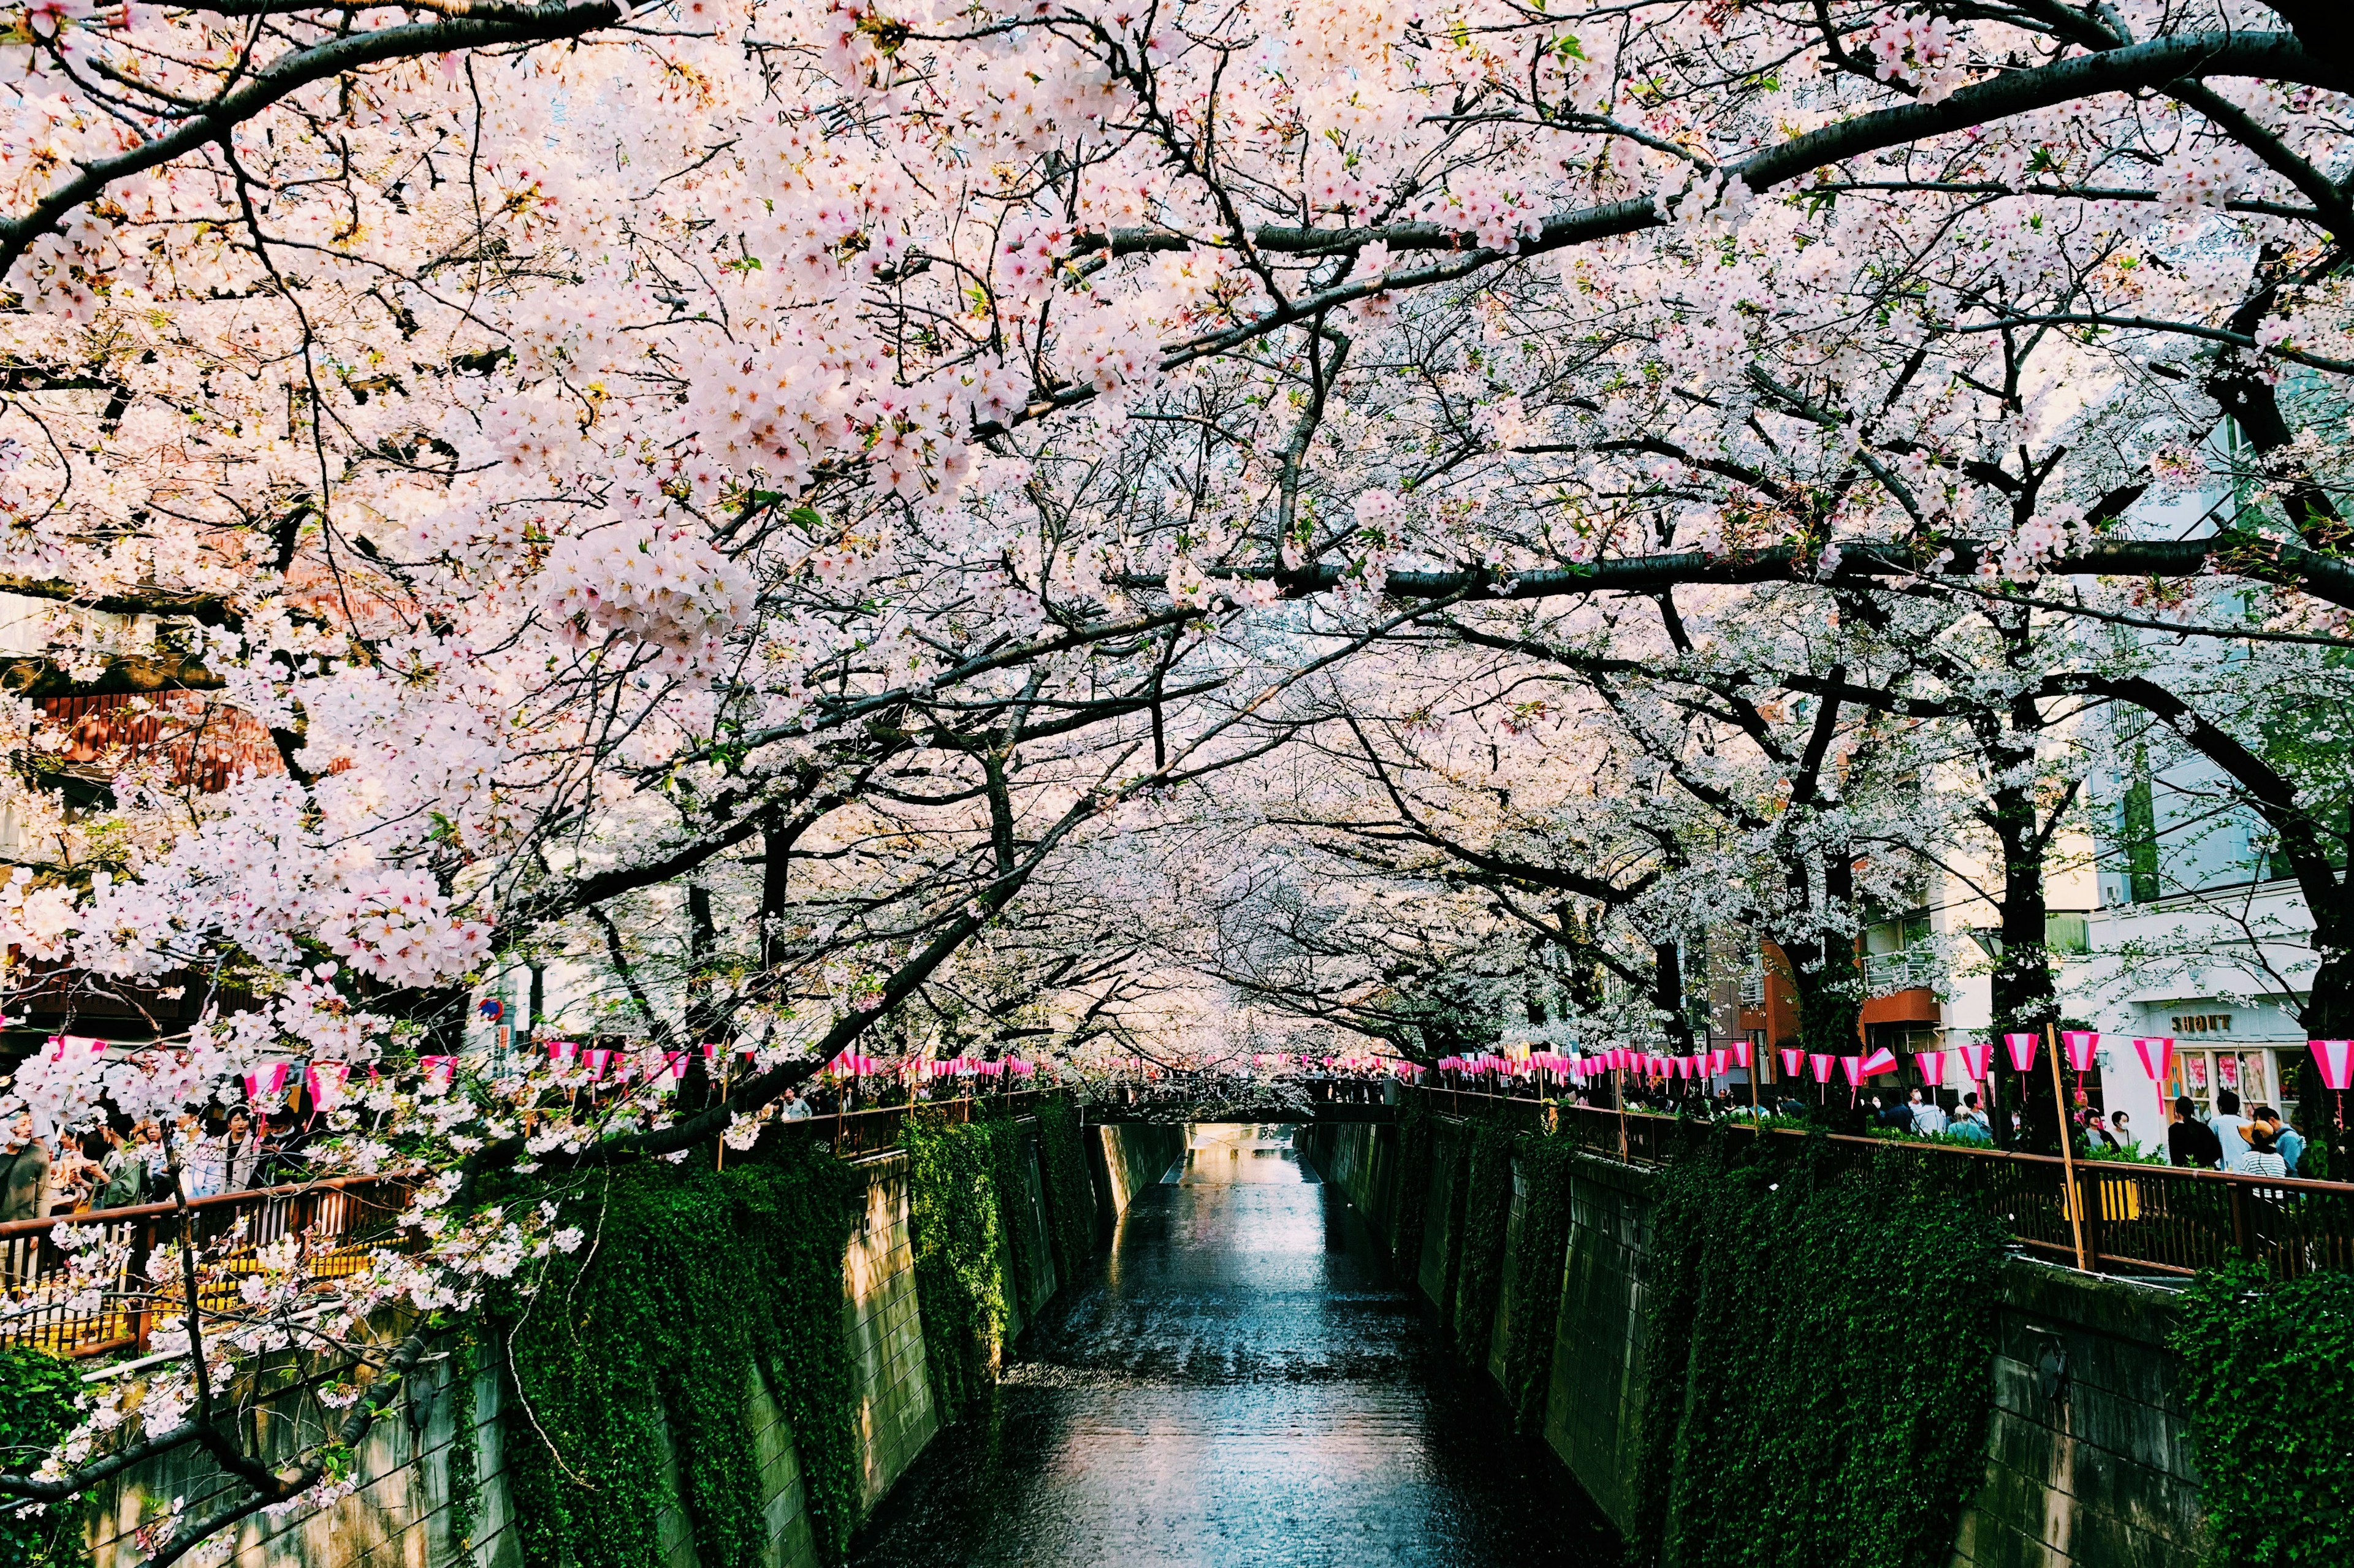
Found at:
[1247, 1385]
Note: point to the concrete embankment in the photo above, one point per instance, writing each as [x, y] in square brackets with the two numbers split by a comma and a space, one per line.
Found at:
[401, 1513]
[2087, 1456]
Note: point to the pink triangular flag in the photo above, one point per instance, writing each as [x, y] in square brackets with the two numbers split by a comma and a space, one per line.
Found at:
[2020, 1048]
[2081, 1045]
[2157, 1054]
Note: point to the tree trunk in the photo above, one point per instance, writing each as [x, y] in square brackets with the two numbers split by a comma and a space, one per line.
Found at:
[701, 1023]
[776, 858]
[1828, 977]
[2025, 999]
[1667, 997]
[2328, 1014]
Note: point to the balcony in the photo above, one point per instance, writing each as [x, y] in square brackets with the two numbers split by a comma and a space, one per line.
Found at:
[1901, 987]
[1910, 968]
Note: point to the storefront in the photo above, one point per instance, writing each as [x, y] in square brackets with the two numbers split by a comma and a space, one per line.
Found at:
[2221, 1045]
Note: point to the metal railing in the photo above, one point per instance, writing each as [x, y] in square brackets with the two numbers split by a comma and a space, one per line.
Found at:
[2136, 1219]
[1908, 970]
[852, 1133]
[337, 1223]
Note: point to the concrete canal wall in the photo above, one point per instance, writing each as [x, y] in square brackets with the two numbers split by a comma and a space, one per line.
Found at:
[2087, 1457]
[1129, 1157]
[399, 1515]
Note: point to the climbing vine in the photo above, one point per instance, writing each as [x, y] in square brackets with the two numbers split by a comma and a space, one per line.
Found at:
[1415, 1130]
[960, 1272]
[2269, 1385]
[1451, 1146]
[1009, 1150]
[1487, 1206]
[1804, 1410]
[465, 1455]
[1670, 1267]
[1070, 1186]
[637, 1351]
[1544, 1244]
[38, 1394]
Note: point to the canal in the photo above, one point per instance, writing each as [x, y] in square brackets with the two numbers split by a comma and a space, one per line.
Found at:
[1247, 1384]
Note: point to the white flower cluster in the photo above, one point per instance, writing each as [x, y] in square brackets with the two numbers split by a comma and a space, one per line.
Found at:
[397, 928]
[1907, 49]
[649, 580]
[2207, 177]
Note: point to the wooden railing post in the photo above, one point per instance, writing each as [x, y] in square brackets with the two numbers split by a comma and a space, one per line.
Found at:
[2067, 1147]
[2089, 1206]
[154, 1231]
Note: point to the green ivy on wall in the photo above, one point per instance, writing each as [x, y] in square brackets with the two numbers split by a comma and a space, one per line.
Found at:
[959, 1270]
[1070, 1186]
[633, 1359]
[1817, 1342]
[39, 1396]
[1487, 1204]
[1540, 1257]
[1451, 1149]
[1010, 1167]
[2269, 1384]
[1670, 1267]
[465, 1458]
[1416, 1133]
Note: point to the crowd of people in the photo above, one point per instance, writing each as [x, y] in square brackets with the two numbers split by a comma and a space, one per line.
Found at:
[2260, 1142]
[119, 1167]
[2256, 1142]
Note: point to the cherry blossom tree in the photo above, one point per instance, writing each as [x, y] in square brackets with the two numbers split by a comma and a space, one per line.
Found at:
[583, 448]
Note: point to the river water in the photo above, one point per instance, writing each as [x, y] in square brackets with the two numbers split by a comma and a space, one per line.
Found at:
[1246, 1385]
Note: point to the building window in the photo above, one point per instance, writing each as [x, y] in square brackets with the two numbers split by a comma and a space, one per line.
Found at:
[2201, 1073]
[2068, 932]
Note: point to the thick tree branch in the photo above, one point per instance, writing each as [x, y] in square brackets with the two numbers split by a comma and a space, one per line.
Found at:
[484, 26]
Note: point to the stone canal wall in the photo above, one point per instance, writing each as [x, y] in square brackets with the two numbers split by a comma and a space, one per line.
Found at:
[2087, 1458]
[895, 1416]
[400, 1514]
[1129, 1157]
[398, 1517]
[1023, 1238]
[1594, 1403]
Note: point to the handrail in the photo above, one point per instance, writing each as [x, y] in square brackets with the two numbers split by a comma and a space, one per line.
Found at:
[331, 1216]
[2136, 1219]
[209, 1201]
[246, 1194]
[1745, 1124]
